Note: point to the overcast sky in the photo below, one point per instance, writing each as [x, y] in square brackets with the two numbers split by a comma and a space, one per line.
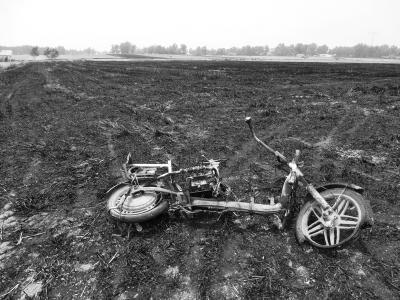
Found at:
[214, 23]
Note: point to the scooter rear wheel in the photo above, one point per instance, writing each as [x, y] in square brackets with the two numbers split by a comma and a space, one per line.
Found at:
[351, 214]
[135, 207]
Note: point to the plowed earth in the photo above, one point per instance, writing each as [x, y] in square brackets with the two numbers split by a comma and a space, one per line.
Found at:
[66, 128]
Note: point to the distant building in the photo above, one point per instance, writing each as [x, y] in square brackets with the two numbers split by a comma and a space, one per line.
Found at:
[5, 55]
[326, 55]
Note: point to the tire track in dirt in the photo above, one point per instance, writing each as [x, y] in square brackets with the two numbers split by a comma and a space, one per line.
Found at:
[115, 168]
[29, 285]
[8, 104]
[329, 143]
[210, 261]
[231, 272]
[10, 223]
[187, 288]
[328, 140]
[55, 84]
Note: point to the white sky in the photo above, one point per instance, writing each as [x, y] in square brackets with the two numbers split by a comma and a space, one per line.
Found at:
[214, 23]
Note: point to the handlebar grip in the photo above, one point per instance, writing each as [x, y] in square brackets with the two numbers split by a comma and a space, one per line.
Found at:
[250, 123]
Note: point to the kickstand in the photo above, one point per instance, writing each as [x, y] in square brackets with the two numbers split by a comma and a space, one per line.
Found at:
[278, 222]
[138, 227]
[129, 230]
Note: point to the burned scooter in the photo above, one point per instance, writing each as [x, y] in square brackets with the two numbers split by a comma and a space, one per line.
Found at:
[332, 215]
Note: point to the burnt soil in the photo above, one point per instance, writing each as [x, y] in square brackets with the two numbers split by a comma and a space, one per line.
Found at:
[66, 128]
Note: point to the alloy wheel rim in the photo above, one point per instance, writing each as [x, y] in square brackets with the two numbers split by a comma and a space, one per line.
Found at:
[342, 229]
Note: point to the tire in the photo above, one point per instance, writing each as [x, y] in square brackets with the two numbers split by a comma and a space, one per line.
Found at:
[134, 208]
[351, 210]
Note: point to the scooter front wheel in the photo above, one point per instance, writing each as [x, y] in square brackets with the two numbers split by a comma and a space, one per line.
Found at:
[334, 231]
[126, 206]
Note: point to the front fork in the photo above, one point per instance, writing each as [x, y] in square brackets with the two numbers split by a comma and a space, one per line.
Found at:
[328, 214]
[287, 189]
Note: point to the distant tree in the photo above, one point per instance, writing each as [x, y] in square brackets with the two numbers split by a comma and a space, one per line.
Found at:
[282, 50]
[361, 50]
[61, 50]
[133, 49]
[221, 51]
[260, 50]
[196, 51]
[323, 49]
[211, 51]
[199, 51]
[183, 49]
[204, 50]
[300, 48]
[89, 51]
[342, 51]
[35, 51]
[394, 51]
[173, 49]
[127, 48]
[384, 50]
[51, 52]
[311, 49]
[115, 49]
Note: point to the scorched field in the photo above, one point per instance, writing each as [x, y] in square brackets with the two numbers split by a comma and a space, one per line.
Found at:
[66, 128]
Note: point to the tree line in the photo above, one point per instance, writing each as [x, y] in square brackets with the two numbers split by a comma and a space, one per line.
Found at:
[128, 48]
[26, 49]
[312, 49]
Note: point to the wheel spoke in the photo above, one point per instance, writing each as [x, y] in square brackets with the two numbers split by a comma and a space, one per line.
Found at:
[326, 237]
[337, 235]
[342, 207]
[337, 202]
[313, 224]
[315, 213]
[347, 224]
[315, 229]
[349, 217]
[332, 236]
[322, 230]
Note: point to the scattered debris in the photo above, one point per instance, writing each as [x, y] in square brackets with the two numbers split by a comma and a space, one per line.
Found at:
[32, 290]
[84, 267]
[172, 271]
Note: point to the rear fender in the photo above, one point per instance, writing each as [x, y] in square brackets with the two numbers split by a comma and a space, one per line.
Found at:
[112, 189]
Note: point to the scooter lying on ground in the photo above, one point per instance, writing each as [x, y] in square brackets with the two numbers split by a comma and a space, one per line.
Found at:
[332, 215]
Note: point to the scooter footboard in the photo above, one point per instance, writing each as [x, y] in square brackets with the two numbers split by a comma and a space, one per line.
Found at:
[236, 206]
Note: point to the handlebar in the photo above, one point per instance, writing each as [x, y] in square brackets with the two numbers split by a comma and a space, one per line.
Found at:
[281, 158]
[278, 155]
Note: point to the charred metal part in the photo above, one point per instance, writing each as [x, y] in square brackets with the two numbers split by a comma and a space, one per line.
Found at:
[334, 216]
[332, 185]
[237, 206]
